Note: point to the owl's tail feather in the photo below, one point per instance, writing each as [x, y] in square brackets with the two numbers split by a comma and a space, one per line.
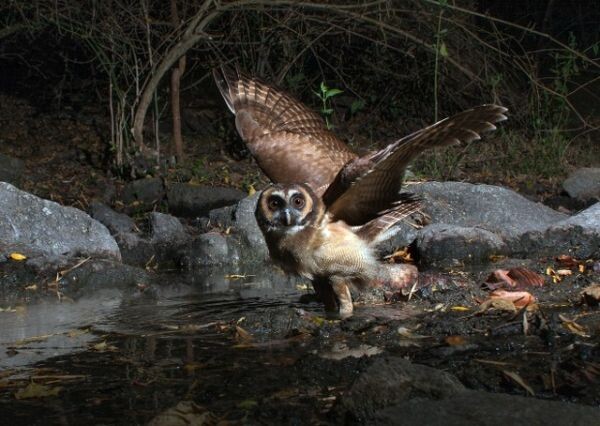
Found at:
[379, 229]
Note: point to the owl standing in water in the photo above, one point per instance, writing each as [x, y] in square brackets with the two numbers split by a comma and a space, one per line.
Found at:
[329, 206]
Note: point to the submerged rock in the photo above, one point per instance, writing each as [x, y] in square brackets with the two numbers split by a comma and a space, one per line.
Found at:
[46, 227]
[583, 183]
[390, 380]
[101, 274]
[392, 390]
[475, 408]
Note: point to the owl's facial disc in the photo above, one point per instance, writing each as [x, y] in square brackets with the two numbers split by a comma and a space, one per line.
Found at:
[287, 209]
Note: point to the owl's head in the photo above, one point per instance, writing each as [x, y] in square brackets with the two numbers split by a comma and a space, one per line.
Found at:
[288, 208]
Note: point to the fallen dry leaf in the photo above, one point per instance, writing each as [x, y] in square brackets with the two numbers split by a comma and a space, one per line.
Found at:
[573, 327]
[104, 347]
[455, 340]
[498, 305]
[184, 413]
[564, 272]
[241, 335]
[35, 390]
[17, 256]
[591, 295]
[517, 379]
[518, 278]
[567, 261]
[518, 298]
[401, 256]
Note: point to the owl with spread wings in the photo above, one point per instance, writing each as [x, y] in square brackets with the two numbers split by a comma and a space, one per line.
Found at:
[353, 199]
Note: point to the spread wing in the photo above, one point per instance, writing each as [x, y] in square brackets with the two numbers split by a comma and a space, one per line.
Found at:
[376, 230]
[290, 143]
[378, 188]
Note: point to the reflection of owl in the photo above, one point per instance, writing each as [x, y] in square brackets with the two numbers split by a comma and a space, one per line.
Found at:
[302, 239]
[291, 144]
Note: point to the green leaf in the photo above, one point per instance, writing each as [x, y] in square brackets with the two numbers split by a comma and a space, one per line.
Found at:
[248, 404]
[443, 50]
[327, 111]
[333, 92]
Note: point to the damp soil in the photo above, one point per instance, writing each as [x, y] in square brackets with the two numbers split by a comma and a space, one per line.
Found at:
[256, 351]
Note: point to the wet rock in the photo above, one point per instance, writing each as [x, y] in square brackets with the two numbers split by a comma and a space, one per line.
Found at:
[487, 409]
[578, 235]
[390, 380]
[167, 230]
[116, 223]
[100, 274]
[246, 226]
[583, 183]
[11, 169]
[210, 249]
[478, 220]
[47, 227]
[146, 192]
[493, 208]
[167, 235]
[135, 249]
[444, 245]
[240, 218]
[197, 200]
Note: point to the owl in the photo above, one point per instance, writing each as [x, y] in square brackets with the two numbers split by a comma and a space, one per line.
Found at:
[303, 239]
[291, 144]
[330, 206]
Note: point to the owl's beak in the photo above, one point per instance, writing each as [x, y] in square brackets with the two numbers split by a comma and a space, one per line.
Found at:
[287, 217]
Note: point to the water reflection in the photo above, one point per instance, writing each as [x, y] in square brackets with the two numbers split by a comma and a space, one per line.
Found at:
[48, 327]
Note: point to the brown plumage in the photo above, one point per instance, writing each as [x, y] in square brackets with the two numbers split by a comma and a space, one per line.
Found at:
[292, 144]
[303, 239]
[350, 202]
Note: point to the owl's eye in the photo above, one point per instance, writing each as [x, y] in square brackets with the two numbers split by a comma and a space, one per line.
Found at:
[298, 201]
[275, 203]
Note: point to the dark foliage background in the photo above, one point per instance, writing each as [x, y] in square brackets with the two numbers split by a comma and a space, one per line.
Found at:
[400, 64]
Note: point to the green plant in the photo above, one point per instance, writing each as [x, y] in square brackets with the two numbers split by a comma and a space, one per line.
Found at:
[325, 95]
[552, 112]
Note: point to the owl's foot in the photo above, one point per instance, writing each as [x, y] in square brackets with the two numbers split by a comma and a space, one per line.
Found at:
[395, 279]
[343, 296]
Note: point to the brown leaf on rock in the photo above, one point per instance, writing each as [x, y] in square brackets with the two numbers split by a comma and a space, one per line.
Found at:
[516, 278]
[567, 261]
[519, 298]
[591, 295]
[498, 305]
[455, 340]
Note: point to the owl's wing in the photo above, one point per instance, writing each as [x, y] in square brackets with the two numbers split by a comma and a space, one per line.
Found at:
[377, 230]
[378, 188]
[290, 142]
